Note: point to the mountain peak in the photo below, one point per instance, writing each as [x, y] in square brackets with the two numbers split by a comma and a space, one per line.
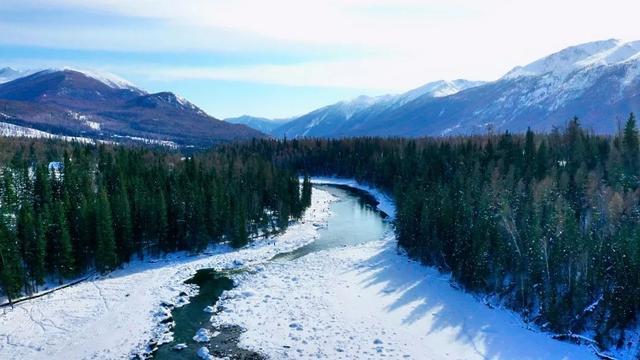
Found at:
[568, 60]
[111, 80]
[9, 74]
[439, 88]
[165, 100]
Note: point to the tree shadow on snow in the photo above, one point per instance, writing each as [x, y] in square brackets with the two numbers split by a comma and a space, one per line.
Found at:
[429, 300]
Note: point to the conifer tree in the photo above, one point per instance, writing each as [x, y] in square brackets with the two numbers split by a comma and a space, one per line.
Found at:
[27, 236]
[106, 258]
[631, 147]
[10, 263]
[122, 222]
[59, 242]
[306, 191]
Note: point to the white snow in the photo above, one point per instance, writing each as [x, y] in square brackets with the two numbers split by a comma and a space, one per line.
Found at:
[364, 301]
[84, 119]
[440, 88]
[11, 130]
[112, 316]
[167, 143]
[107, 78]
[180, 346]
[386, 204]
[202, 335]
[369, 301]
[9, 74]
[593, 54]
[349, 108]
[203, 353]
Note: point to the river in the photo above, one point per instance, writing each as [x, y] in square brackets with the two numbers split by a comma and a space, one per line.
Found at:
[354, 219]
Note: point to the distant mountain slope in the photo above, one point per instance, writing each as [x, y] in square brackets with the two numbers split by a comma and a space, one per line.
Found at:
[258, 123]
[8, 74]
[348, 117]
[599, 82]
[74, 103]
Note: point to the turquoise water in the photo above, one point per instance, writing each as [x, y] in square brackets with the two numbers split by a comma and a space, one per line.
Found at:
[354, 220]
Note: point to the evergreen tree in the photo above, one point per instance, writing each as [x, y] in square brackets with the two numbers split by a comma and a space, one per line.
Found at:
[631, 147]
[32, 248]
[121, 215]
[10, 263]
[106, 258]
[59, 242]
[306, 191]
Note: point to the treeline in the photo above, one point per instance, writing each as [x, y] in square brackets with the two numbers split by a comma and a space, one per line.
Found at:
[549, 223]
[68, 209]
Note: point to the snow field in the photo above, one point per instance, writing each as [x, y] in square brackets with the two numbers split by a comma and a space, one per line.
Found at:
[115, 316]
[369, 301]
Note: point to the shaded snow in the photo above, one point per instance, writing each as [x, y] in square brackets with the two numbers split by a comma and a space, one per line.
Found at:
[369, 301]
[107, 78]
[11, 130]
[365, 301]
[386, 204]
[9, 74]
[566, 61]
[113, 316]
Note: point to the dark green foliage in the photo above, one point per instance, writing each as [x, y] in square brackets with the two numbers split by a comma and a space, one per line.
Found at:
[306, 191]
[10, 267]
[59, 242]
[548, 222]
[106, 258]
[69, 208]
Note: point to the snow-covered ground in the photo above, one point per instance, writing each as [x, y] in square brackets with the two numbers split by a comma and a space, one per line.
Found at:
[111, 317]
[363, 301]
[370, 301]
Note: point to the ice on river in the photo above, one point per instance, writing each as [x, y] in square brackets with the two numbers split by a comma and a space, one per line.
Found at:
[369, 301]
[115, 316]
[362, 301]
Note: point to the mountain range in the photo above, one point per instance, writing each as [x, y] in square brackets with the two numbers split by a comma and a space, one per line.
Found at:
[599, 82]
[262, 124]
[67, 102]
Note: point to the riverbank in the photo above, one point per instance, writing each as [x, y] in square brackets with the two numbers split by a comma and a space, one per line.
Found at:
[115, 316]
[371, 301]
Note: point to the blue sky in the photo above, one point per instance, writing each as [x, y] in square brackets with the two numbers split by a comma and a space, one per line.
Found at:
[280, 58]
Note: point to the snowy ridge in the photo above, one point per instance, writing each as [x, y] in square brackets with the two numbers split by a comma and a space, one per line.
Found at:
[328, 118]
[11, 130]
[350, 107]
[439, 88]
[598, 53]
[109, 79]
[9, 74]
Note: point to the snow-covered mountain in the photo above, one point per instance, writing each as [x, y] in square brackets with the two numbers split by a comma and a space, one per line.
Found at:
[439, 89]
[262, 124]
[599, 82]
[343, 117]
[102, 106]
[8, 74]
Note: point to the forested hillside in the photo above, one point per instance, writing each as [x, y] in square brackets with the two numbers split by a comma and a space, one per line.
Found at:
[68, 209]
[547, 224]
[550, 224]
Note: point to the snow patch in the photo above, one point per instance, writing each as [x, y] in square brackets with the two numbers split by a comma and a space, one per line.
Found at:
[202, 335]
[116, 316]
